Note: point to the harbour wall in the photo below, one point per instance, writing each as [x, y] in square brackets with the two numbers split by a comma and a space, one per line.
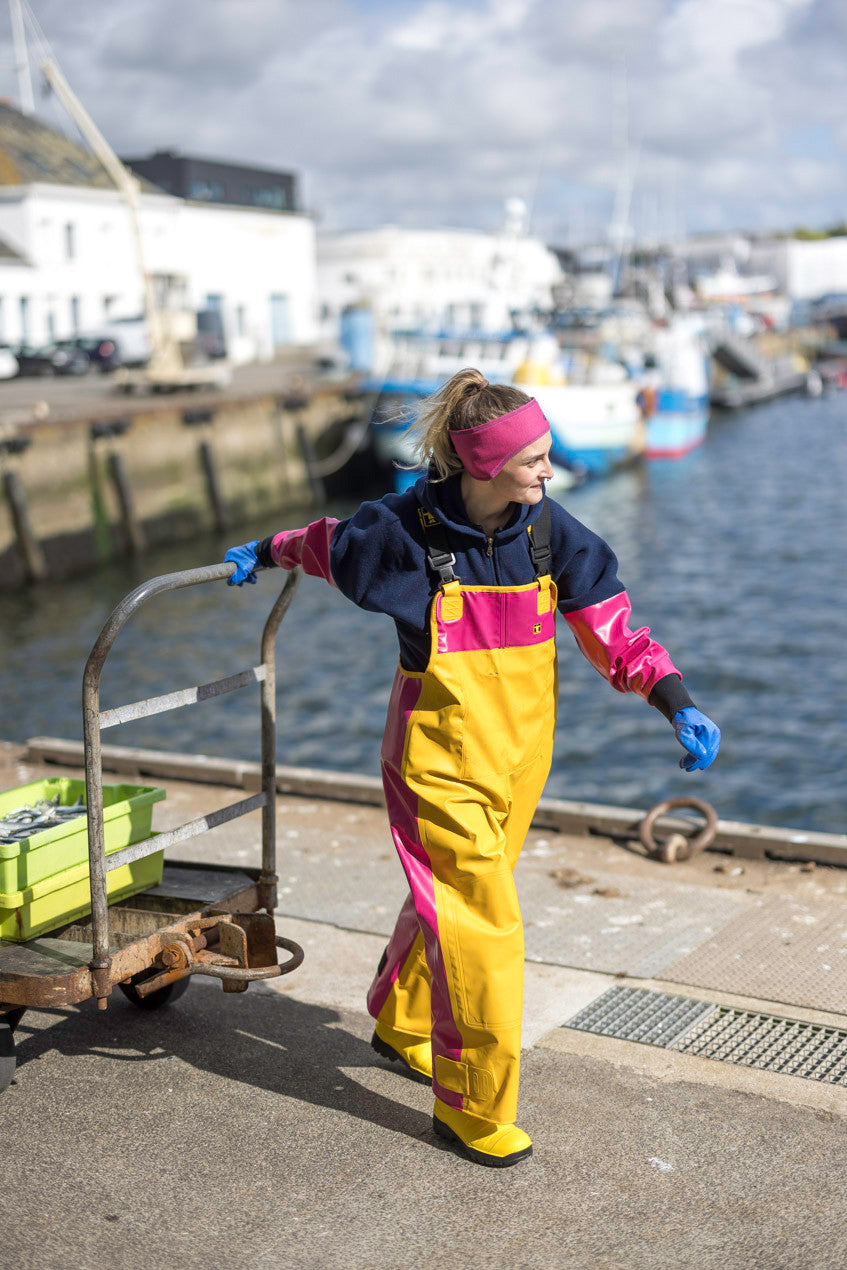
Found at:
[118, 480]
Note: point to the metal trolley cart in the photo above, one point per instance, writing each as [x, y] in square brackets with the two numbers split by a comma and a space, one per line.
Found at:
[201, 920]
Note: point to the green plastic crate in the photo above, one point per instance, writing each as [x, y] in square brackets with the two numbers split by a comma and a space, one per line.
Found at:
[127, 817]
[65, 896]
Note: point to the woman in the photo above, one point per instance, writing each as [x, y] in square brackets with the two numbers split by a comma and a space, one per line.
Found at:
[472, 563]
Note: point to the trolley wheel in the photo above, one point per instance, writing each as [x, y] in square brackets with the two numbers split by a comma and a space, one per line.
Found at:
[164, 996]
[7, 1054]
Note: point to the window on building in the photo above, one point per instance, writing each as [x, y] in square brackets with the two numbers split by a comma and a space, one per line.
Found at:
[70, 244]
[51, 324]
[75, 314]
[2, 321]
[240, 319]
[23, 304]
[272, 196]
[207, 191]
[108, 304]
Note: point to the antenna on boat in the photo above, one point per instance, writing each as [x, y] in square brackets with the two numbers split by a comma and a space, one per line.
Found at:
[25, 93]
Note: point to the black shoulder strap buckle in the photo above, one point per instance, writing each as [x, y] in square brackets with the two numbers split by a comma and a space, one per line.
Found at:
[539, 542]
[439, 556]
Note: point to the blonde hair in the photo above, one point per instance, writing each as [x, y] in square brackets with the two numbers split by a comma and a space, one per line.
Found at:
[463, 402]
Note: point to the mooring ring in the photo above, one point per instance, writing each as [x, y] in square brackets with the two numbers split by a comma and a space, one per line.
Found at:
[677, 847]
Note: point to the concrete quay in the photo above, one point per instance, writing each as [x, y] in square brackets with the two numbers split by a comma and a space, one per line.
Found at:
[263, 1130]
[91, 475]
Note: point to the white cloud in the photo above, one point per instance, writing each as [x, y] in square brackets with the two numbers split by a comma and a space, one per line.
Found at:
[435, 111]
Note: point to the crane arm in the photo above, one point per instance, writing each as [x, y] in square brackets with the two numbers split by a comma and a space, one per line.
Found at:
[123, 179]
[129, 185]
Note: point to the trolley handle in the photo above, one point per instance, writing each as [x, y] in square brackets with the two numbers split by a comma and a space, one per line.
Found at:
[94, 721]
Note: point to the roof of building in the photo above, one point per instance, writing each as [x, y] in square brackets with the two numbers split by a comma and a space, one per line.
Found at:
[8, 255]
[32, 153]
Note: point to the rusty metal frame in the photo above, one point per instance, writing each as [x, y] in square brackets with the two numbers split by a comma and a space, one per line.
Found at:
[189, 944]
[94, 721]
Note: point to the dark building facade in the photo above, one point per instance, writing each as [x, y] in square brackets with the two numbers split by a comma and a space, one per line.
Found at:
[205, 181]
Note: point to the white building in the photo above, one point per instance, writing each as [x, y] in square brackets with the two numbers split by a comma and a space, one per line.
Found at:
[71, 263]
[804, 270]
[430, 278]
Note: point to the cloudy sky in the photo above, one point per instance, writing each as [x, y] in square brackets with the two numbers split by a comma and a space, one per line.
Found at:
[726, 113]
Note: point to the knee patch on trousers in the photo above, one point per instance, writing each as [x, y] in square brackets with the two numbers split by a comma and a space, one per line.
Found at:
[461, 1078]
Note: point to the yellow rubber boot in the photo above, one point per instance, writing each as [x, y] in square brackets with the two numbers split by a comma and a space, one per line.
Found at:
[413, 1052]
[497, 1145]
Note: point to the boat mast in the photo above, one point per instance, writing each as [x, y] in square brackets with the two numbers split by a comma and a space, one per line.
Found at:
[21, 58]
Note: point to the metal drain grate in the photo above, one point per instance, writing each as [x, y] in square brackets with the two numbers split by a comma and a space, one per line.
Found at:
[637, 1014]
[765, 1041]
[770, 1043]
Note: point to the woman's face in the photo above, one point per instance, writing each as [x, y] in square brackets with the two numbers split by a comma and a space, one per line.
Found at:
[522, 479]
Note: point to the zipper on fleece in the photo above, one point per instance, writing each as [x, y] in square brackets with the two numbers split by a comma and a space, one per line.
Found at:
[489, 551]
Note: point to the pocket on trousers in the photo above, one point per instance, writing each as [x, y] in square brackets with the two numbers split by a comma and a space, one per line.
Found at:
[486, 945]
[511, 716]
[434, 744]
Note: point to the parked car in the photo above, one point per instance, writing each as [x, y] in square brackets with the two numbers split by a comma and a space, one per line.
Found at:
[8, 363]
[34, 361]
[69, 357]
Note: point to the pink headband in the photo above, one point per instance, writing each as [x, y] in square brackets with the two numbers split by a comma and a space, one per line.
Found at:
[486, 449]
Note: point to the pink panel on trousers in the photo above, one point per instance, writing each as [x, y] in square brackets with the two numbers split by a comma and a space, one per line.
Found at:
[630, 660]
[399, 946]
[504, 619]
[403, 816]
[308, 548]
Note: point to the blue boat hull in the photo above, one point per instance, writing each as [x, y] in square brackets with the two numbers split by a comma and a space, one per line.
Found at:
[677, 426]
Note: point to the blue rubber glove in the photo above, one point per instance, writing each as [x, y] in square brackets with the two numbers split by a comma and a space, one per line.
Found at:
[697, 734]
[245, 558]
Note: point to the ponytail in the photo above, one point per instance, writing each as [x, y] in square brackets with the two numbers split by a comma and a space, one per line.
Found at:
[464, 401]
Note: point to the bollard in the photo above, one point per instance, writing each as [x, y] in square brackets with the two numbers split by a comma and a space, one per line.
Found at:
[35, 568]
[209, 466]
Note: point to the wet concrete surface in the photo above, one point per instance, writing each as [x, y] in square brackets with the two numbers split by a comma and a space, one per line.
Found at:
[261, 1130]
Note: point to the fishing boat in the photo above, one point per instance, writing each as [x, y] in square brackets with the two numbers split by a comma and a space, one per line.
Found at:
[674, 391]
[396, 405]
[596, 427]
[422, 363]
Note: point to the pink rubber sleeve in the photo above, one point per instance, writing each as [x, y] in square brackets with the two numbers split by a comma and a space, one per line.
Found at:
[308, 548]
[630, 660]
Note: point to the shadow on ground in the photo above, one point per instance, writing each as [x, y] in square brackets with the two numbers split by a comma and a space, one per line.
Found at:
[261, 1039]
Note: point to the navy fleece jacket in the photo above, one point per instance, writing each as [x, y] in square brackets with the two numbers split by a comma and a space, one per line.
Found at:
[377, 558]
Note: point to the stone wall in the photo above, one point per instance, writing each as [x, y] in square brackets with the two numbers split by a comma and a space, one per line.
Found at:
[65, 474]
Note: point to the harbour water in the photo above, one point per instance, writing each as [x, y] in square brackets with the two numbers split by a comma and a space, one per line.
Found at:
[734, 555]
